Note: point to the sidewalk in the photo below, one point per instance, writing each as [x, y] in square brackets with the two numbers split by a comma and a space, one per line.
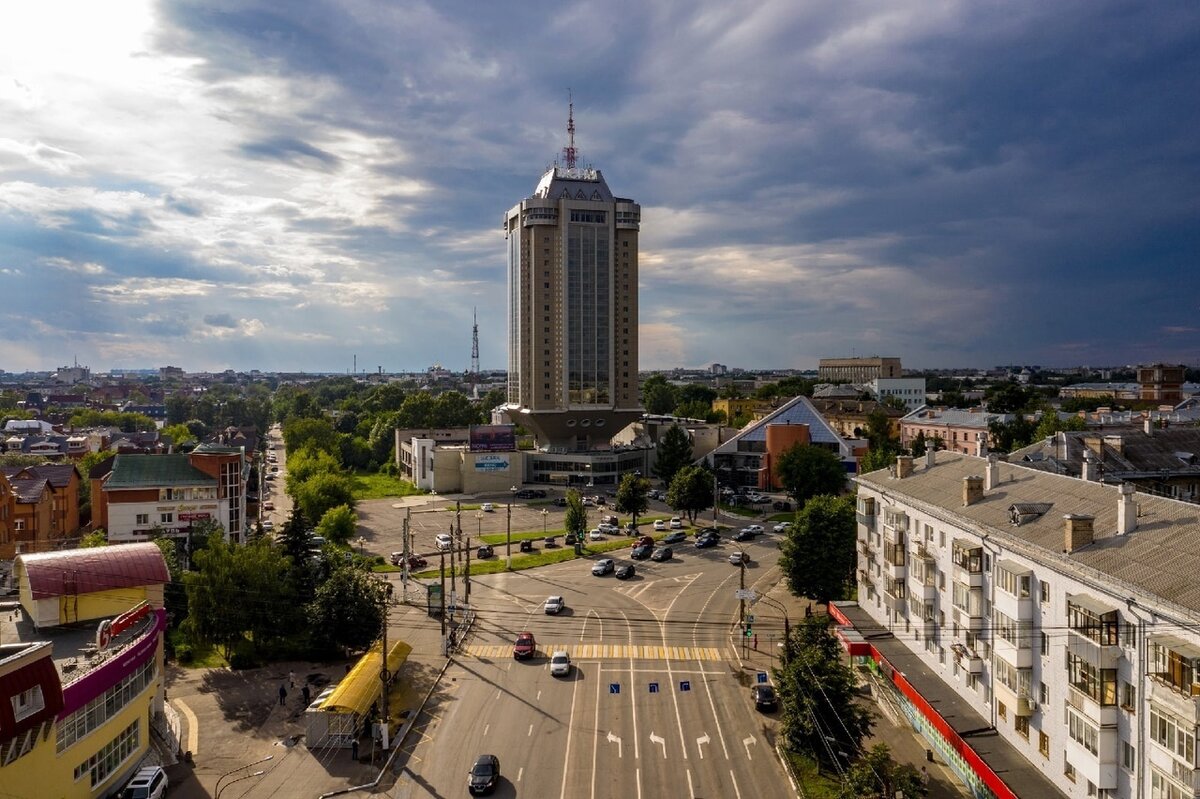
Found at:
[235, 726]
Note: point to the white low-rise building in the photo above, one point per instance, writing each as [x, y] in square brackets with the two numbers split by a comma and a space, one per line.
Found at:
[1067, 613]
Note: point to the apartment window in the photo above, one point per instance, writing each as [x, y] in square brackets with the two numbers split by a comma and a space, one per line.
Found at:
[1129, 697]
[546, 284]
[1002, 710]
[1012, 582]
[1068, 769]
[1163, 787]
[1043, 693]
[1044, 744]
[1021, 725]
[1099, 684]
[27, 702]
[1128, 757]
[1177, 738]
[942, 540]
[1045, 644]
[1045, 592]
[142, 519]
[18, 525]
[1082, 731]
[167, 518]
[100, 765]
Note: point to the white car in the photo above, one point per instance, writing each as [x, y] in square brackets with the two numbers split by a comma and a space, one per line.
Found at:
[603, 567]
[268, 526]
[608, 529]
[676, 523]
[754, 528]
[595, 535]
[738, 558]
[560, 664]
[659, 524]
[487, 507]
[554, 605]
[444, 542]
[782, 527]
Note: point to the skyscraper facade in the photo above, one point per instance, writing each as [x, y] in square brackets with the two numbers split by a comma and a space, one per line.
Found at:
[572, 308]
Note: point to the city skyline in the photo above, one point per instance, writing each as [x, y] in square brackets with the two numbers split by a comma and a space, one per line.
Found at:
[225, 187]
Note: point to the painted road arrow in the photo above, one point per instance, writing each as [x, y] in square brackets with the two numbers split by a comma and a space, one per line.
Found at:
[747, 742]
[703, 739]
[615, 739]
[654, 739]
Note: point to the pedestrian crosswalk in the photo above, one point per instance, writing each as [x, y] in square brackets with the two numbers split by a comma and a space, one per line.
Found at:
[602, 651]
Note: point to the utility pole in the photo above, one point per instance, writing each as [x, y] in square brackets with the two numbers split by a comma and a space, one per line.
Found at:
[466, 552]
[442, 569]
[508, 537]
[385, 676]
[716, 492]
[453, 584]
[742, 604]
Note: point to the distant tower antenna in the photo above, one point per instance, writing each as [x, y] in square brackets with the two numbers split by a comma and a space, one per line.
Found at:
[474, 347]
[569, 151]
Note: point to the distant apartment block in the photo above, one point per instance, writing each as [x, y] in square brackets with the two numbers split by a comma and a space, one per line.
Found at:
[857, 370]
[909, 390]
[959, 431]
[1161, 383]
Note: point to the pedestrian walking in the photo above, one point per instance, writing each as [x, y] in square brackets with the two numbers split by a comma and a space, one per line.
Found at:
[304, 692]
[282, 693]
[354, 749]
[292, 678]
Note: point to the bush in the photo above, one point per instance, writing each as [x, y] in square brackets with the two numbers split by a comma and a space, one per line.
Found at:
[184, 653]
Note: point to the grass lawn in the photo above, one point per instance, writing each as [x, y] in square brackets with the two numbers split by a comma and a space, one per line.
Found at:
[738, 510]
[782, 517]
[541, 557]
[203, 657]
[373, 485]
[814, 784]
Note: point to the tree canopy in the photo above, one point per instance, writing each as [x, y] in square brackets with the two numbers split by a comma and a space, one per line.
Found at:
[674, 451]
[658, 396]
[806, 471]
[576, 517]
[818, 553]
[633, 496]
[691, 491]
[321, 492]
[339, 524]
[348, 610]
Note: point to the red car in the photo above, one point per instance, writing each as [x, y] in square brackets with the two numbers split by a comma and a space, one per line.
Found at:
[414, 561]
[525, 646]
[644, 541]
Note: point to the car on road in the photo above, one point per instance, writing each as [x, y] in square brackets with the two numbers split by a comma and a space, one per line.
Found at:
[624, 571]
[739, 558]
[675, 537]
[268, 526]
[782, 527]
[268, 505]
[484, 775]
[526, 545]
[587, 502]
[765, 698]
[781, 504]
[414, 561]
[676, 523]
[660, 524]
[743, 535]
[530, 493]
[485, 551]
[595, 534]
[603, 567]
[608, 529]
[560, 502]
[554, 605]
[644, 541]
[706, 540]
[560, 664]
[525, 646]
[443, 541]
[149, 783]
[641, 552]
[754, 528]
[661, 554]
[487, 507]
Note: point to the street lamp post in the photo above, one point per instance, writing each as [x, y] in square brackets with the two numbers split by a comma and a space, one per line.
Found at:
[787, 627]
[218, 787]
[251, 775]
[508, 529]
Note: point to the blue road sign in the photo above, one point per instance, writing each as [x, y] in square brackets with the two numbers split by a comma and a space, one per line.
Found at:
[614, 687]
[762, 676]
[653, 687]
[685, 685]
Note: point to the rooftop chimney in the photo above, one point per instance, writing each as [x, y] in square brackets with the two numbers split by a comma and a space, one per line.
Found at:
[904, 466]
[1077, 531]
[930, 457]
[1088, 468]
[1116, 442]
[992, 473]
[1127, 510]
[972, 489]
[1147, 426]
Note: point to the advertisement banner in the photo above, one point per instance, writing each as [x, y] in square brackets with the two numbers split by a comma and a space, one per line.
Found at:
[492, 438]
[492, 463]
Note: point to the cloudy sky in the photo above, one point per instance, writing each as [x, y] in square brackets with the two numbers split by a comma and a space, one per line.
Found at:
[225, 183]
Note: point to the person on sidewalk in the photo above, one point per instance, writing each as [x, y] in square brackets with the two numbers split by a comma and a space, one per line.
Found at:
[292, 679]
[304, 692]
[354, 749]
[282, 693]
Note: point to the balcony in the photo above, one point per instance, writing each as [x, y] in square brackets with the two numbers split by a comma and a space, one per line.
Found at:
[967, 659]
[964, 619]
[896, 560]
[1102, 715]
[1026, 705]
[974, 579]
[864, 578]
[1184, 705]
[895, 596]
[1020, 656]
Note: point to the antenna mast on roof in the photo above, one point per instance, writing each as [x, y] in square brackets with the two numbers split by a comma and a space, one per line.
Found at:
[569, 151]
[474, 348]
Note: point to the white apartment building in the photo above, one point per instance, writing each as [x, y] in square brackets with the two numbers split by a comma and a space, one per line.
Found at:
[909, 390]
[1067, 613]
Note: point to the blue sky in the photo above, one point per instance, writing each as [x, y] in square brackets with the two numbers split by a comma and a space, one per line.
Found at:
[217, 184]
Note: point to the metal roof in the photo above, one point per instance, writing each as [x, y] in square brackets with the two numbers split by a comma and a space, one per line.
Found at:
[86, 571]
[144, 471]
[361, 687]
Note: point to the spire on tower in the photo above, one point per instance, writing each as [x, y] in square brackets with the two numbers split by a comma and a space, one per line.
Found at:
[569, 152]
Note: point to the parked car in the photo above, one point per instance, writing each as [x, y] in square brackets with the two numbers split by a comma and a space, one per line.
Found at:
[268, 526]
[443, 541]
[676, 523]
[268, 505]
[525, 646]
[560, 664]
[781, 504]
[560, 502]
[764, 697]
[641, 552]
[526, 493]
[414, 561]
[526, 545]
[782, 527]
[148, 783]
[754, 528]
[624, 571]
[551, 541]
[570, 539]
[554, 605]
[484, 775]
[600, 500]
[485, 551]
[675, 537]
[587, 502]
[661, 554]
[595, 535]
[743, 535]
[487, 507]
[739, 558]
[660, 524]
[644, 541]
[608, 529]
[603, 567]
[610, 519]
[707, 540]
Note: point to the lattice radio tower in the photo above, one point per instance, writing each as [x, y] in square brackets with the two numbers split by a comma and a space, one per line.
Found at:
[474, 348]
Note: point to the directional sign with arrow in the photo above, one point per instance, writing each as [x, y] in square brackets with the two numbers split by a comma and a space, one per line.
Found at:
[746, 742]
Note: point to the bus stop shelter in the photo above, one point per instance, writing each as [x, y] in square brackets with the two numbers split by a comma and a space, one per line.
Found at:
[344, 715]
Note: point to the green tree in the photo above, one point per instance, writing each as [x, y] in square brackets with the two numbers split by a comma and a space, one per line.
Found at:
[674, 451]
[174, 594]
[354, 452]
[1051, 424]
[1008, 397]
[299, 433]
[818, 552]
[696, 409]
[954, 399]
[96, 538]
[216, 604]
[658, 396]
[180, 434]
[1007, 436]
[633, 496]
[575, 521]
[321, 492]
[819, 714]
[696, 392]
[919, 444]
[876, 775]
[308, 463]
[348, 611]
[691, 491]
[338, 525]
[806, 471]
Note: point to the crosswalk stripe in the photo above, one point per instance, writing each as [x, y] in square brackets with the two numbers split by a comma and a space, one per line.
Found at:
[603, 651]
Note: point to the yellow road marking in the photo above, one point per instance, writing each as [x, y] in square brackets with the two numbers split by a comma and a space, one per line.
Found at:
[602, 652]
[193, 727]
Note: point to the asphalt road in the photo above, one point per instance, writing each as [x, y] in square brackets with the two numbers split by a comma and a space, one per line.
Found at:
[655, 705]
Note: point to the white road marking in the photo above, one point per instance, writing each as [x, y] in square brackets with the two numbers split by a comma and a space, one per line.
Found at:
[570, 730]
[708, 688]
[747, 742]
[539, 696]
[632, 703]
[530, 731]
[520, 773]
[738, 793]
[691, 790]
[497, 694]
[193, 726]
[486, 727]
[638, 773]
[655, 739]
[703, 739]
[617, 740]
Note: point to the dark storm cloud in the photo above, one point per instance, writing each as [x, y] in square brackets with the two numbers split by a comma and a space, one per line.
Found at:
[291, 150]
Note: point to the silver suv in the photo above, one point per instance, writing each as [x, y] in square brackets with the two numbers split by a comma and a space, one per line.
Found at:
[148, 783]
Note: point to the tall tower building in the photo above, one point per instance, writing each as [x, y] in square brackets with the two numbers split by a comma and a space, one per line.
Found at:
[572, 307]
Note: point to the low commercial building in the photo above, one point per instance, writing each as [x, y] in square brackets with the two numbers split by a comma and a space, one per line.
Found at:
[909, 390]
[1063, 615]
[857, 370]
[81, 670]
[958, 431]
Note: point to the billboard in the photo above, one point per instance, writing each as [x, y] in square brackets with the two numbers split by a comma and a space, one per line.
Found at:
[492, 463]
[492, 438]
